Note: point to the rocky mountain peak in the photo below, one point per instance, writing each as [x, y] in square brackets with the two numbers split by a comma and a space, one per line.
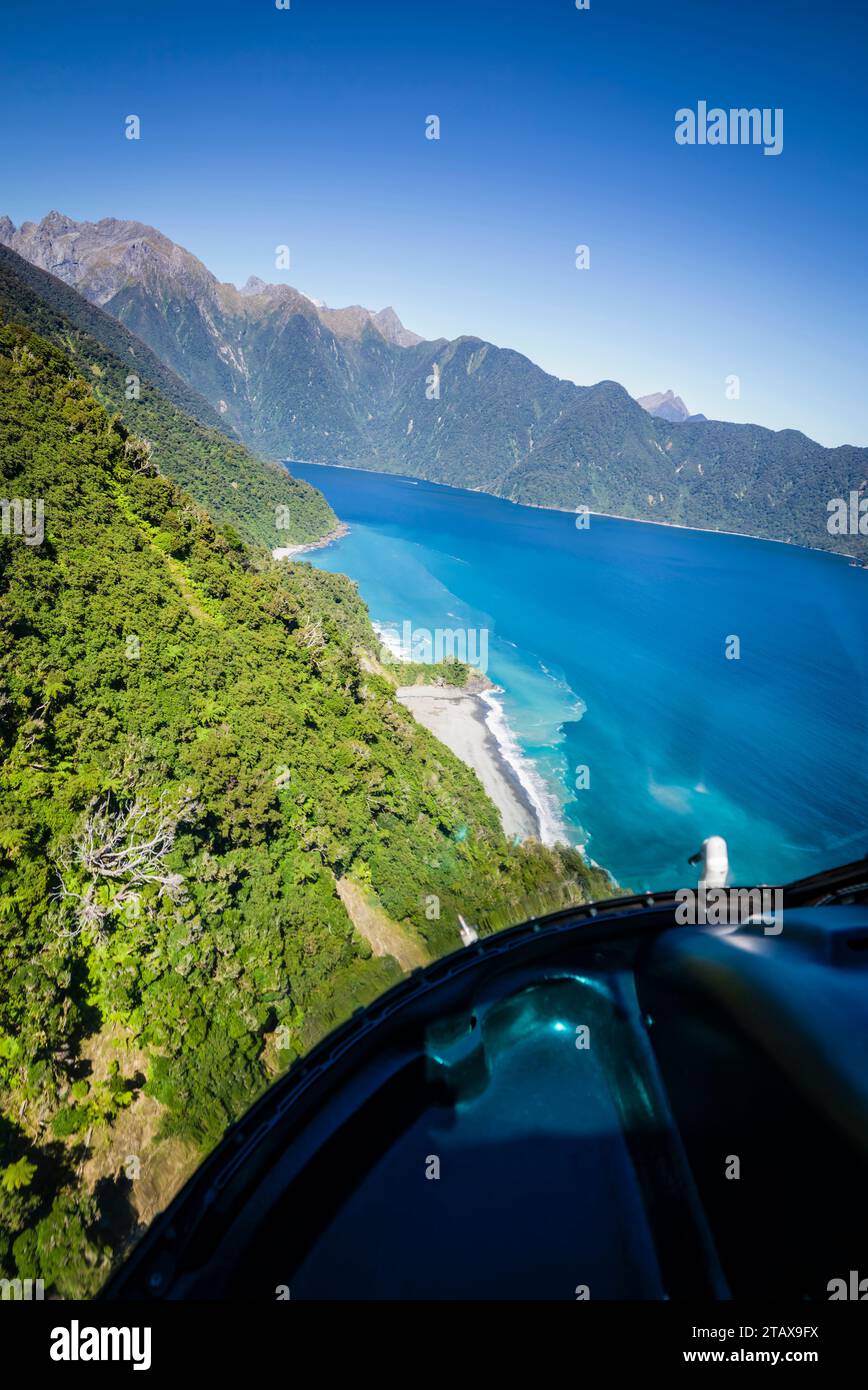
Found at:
[393, 329]
[100, 259]
[665, 405]
[253, 286]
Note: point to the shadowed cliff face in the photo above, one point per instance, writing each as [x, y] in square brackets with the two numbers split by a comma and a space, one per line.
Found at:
[295, 379]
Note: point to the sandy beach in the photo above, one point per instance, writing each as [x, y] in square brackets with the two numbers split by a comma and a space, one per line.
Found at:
[457, 717]
[289, 552]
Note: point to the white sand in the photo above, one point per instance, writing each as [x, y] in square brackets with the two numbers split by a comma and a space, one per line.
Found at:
[457, 718]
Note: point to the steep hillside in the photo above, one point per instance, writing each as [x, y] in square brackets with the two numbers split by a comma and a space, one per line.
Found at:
[194, 754]
[609, 454]
[226, 342]
[189, 442]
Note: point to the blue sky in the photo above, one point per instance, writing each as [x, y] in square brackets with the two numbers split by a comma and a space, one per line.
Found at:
[306, 127]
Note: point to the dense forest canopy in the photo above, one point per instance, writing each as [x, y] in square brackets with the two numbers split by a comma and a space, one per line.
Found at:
[199, 753]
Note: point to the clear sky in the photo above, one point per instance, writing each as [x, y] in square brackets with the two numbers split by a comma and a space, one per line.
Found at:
[306, 127]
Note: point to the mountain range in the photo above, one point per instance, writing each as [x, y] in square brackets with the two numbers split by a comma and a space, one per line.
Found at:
[297, 380]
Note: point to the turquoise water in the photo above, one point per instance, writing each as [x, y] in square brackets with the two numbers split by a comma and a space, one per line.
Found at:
[610, 646]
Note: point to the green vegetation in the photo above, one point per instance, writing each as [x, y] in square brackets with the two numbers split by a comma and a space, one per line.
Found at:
[194, 749]
[450, 671]
[185, 435]
[611, 456]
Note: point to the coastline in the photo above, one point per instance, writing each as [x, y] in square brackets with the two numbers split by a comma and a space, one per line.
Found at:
[547, 812]
[289, 552]
[472, 724]
[435, 585]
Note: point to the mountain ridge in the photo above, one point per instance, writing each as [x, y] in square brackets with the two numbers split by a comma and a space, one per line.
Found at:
[99, 258]
[316, 385]
[189, 441]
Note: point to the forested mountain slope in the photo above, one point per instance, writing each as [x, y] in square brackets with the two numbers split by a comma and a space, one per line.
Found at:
[188, 440]
[193, 750]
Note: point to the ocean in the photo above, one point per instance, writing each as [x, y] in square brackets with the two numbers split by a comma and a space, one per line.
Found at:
[635, 732]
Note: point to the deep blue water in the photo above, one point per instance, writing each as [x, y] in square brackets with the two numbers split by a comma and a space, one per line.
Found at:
[610, 645]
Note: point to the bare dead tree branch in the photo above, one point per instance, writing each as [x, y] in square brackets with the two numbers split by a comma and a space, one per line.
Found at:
[125, 845]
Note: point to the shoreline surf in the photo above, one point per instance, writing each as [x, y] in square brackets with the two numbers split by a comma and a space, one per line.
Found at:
[512, 765]
[458, 718]
[634, 620]
[552, 830]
